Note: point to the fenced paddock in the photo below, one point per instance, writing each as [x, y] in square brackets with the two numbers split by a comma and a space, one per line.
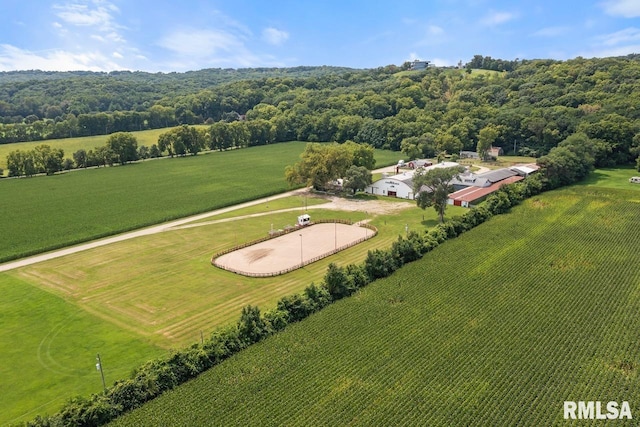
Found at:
[275, 255]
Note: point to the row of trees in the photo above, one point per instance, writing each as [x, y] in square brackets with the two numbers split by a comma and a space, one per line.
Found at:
[42, 159]
[121, 147]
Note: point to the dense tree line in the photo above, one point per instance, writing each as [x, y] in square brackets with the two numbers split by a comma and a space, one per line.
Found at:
[527, 109]
[49, 95]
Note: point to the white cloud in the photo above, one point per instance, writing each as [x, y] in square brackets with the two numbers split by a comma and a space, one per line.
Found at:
[274, 36]
[551, 32]
[201, 43]
[13, 58]
[435, 30]
[631, 34]
[624, 8]
[620, 43]
[496, 18]
[614, 51]
[95, 13]
[198, 48]
[442, 62]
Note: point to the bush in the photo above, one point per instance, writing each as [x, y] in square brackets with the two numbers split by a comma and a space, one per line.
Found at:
[296, 306]
[406, 250]
[337, 282]
[379, 264]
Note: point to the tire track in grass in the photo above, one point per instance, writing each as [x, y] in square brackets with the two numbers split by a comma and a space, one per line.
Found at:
[44, 353]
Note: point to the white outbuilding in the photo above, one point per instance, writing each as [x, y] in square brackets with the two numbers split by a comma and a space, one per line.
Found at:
[400, 185]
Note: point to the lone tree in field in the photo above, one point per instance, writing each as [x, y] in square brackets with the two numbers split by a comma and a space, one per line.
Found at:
[322, 163]
[433, 187]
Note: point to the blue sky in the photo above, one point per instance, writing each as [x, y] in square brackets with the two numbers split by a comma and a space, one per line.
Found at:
[162, 35]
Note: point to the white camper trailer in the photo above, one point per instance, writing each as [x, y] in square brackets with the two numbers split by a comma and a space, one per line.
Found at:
[304, 220]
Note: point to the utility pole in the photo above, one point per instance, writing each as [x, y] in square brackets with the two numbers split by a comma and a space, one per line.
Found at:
[99, 368]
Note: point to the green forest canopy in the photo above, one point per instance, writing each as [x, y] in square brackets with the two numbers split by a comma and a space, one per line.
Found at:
[535, 104]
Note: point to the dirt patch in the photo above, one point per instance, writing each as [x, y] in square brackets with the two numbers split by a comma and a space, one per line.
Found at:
[293, 250]
[258, 254]
[379, 207]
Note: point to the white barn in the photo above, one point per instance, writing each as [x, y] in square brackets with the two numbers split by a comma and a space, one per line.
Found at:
[400, 185]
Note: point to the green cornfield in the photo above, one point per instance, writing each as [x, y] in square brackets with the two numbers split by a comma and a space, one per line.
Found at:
[498, 327]
[45, 213]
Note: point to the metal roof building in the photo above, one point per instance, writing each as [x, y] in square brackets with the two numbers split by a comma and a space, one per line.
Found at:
[401, 185]
[469, 195]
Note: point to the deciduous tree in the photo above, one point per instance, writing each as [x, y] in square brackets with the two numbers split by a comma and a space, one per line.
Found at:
[124, 146]
[433, 187]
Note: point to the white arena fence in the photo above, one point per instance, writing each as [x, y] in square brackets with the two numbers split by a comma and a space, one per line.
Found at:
[273, 235]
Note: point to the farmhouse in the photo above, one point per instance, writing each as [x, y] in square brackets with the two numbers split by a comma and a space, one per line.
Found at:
[400, 185]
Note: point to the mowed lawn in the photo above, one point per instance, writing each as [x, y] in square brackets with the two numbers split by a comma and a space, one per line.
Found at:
[497, 327]
[164, 288]
[44, 213]
[48, 349]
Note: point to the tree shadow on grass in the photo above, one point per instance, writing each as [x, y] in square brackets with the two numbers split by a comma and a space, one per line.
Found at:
[429, 223]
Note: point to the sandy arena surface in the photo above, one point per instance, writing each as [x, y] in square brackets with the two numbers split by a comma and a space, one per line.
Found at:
[292, 249]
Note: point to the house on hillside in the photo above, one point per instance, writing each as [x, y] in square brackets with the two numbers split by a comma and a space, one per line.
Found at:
[419, 65]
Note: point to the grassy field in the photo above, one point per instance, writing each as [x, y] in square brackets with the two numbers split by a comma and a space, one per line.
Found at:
[48, 350]
[162, 287]
[501, 162]
[44, 213]
[617, 178]
[498, 326]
